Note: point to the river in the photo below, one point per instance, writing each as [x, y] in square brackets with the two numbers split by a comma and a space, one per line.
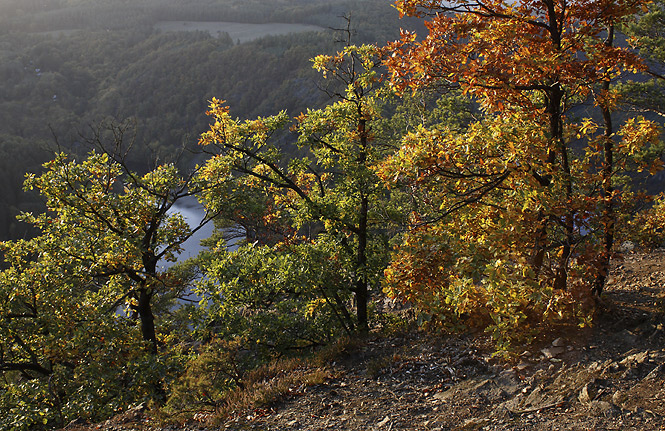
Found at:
[193, 214]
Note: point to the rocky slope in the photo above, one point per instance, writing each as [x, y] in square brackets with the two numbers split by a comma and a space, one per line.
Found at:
[609, 377]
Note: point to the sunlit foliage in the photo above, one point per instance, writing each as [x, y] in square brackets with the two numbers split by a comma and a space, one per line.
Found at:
[520, 210]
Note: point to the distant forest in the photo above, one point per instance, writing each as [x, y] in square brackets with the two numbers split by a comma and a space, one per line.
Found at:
[66, 66]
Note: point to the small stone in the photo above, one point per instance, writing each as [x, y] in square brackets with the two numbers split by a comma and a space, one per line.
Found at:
[474, 423]
[558, 342]
[584, 396]
[618, 397]
[442, 396]
[383, 422]
[550, 352]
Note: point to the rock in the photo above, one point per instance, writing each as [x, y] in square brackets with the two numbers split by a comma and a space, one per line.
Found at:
[521, 366]
[383, 422]
[474, 423]
[618, 397]
[550, 352]
[584, 396]
[558, 342]
[443, 396]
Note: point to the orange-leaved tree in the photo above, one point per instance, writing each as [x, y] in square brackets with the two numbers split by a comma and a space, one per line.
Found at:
[524, 204]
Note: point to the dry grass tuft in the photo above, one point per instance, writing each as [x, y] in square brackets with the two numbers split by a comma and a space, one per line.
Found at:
[281, 379]
[252, 391]
[270, 384]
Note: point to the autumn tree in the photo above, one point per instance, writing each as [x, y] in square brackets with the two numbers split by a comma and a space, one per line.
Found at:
[72, 295]
[516, 207]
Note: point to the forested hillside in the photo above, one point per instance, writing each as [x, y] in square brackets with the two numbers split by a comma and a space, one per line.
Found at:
[65, 66]
[481, 174]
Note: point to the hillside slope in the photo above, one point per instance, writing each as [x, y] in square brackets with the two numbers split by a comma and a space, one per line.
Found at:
[609, 377]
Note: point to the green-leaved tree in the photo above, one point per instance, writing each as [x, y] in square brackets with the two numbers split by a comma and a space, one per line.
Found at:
[79, 302]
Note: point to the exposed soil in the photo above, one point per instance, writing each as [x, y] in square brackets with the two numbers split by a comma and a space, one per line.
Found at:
[609, 377]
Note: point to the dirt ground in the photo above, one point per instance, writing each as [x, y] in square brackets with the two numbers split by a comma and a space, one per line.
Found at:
[608, 377]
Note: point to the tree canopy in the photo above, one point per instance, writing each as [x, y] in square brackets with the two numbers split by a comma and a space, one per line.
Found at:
[522, 208]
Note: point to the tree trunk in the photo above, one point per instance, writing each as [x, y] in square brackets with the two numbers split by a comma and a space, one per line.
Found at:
[561, 278]
[606, 190]
[362, 296]
[144, 310]
[554, 97]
